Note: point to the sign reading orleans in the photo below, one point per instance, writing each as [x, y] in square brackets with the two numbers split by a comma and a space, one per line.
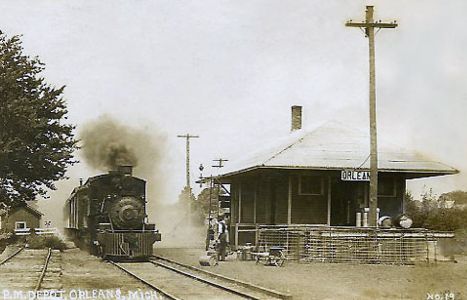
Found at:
[355, 175]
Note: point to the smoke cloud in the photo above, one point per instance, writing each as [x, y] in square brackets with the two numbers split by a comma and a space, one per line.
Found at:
[107, 143]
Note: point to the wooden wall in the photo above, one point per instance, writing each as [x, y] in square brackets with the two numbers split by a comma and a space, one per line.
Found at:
[265, 197]
[20, 215]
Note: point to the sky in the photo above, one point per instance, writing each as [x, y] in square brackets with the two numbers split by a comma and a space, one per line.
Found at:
[229, 71]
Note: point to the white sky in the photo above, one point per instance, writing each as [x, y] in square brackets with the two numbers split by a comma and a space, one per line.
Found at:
[230, 70]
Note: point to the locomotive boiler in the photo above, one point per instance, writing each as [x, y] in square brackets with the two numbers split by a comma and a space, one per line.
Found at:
[107, 216]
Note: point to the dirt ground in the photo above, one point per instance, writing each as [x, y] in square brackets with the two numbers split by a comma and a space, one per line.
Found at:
[74, 274]
[443, 280]
[83, 271]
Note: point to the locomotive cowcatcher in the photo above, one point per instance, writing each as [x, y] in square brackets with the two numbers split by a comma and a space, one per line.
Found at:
[107, 216]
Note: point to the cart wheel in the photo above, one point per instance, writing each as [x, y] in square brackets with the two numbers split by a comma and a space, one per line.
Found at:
[279, 261]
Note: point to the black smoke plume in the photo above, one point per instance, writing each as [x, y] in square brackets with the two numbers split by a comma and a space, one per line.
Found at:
[107, 144]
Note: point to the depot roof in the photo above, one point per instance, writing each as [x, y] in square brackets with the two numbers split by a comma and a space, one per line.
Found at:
[335, 146]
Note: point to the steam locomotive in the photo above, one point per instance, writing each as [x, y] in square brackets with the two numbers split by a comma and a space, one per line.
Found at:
[107, 216]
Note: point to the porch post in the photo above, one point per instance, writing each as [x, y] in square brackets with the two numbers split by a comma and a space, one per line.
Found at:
[403, 189]
[254, 203]
[236, 235]
[240, 202]
[329, 200]
[289, 202]
[256, 234]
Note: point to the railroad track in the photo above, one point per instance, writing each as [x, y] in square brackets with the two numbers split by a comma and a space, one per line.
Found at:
[193, 271]
[31, 270]
[159, 290]
[174, 280]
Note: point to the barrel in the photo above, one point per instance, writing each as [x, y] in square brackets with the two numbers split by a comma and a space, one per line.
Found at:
[403, 221]
[385, 222]
[208, 260]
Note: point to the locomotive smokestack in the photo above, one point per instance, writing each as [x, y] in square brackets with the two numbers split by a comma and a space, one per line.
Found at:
[126, 170]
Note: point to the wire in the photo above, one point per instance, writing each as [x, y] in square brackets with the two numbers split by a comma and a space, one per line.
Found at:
[366, 159]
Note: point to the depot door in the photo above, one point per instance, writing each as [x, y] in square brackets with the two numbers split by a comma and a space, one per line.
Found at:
[346, 199]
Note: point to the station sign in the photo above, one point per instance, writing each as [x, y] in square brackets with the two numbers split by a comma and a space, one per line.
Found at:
[355, 175]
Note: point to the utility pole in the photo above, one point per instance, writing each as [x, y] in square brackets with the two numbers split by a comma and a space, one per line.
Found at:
[188, 137]
[369, 25]
[220, 161]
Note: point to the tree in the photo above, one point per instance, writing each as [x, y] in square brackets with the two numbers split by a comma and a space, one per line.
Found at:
[458, 197]
[431, 213]
[36, 145]
[208, 199]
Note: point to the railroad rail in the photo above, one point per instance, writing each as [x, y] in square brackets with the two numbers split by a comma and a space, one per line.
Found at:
[176, 281]
[142, 280]
[224, 279]
[12, 255]
[44, 269]
[209, 282]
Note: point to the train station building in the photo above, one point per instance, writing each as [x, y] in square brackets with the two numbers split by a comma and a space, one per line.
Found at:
[318, 178]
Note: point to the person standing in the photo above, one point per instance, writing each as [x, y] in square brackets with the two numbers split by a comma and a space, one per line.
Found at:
[210, 236]
[222, 238]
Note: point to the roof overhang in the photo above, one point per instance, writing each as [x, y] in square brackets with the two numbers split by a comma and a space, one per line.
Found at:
[408, 173]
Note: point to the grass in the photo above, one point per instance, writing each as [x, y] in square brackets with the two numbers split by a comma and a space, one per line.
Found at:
[42, 242]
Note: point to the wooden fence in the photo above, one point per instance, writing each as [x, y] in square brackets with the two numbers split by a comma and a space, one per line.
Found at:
[38, 231]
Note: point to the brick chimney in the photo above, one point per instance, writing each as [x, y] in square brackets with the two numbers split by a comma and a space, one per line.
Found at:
[296, 118]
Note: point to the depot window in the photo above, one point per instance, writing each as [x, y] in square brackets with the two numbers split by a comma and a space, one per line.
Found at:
[387, 187]
[310, 185]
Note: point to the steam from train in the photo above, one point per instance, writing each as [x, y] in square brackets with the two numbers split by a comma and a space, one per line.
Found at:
[108, 144]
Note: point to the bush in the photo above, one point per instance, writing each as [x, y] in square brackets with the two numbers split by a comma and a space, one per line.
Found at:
[461, 241]
[35, 242]
[41, 242]
[431, 214]
[6, 238]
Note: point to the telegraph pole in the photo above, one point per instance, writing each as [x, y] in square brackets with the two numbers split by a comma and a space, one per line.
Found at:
[220, 161]
[188, 186]
[188, 137]
[369, 25]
